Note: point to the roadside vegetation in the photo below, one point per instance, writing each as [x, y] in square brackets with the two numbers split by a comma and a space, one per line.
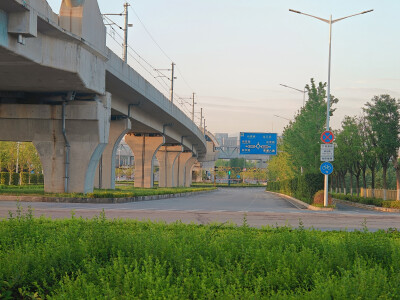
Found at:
[366, 147]
[122, 191]
[125, 259]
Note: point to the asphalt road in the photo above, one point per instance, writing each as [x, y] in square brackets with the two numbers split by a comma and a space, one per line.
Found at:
[224, 205]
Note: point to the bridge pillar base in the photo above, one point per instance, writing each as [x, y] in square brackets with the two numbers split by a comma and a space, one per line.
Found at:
[188, 171]
[118, 129]
[167, 156]
[144, 148]
[87, 129]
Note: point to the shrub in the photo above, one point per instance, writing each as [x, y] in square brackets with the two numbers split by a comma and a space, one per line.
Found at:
[319, 198]
[24, 178]
[15, 178]
[391, 204]
[40, 179]
[5, 178]
[34, 178]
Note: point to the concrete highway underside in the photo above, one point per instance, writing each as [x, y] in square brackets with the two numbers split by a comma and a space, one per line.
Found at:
[225, 205]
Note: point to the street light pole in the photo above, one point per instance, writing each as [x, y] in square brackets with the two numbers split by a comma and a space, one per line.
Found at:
[301, 91]
[328, 104]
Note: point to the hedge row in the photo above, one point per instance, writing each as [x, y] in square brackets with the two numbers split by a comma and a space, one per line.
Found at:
[20, 178]
[302, 187]
[369, 201]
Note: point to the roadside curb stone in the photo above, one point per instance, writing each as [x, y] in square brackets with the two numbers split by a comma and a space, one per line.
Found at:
[302, 205]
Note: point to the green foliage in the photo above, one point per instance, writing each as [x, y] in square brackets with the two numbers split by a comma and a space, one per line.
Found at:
[301, 138]
[302, 187]
[362, 200]
[15, 178]
[4, 178]
[40, 179]
[116, 259]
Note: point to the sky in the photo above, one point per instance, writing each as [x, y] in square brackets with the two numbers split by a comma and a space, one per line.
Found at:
[234, 54]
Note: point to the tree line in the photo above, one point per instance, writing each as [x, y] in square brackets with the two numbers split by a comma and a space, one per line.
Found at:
[366, 146]
[17, 159]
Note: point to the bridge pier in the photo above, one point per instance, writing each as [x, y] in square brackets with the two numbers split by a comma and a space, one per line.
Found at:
[118, 129]
[182, 160]
[86, 128]
[167, 156]
[188, 170]
[144, 148]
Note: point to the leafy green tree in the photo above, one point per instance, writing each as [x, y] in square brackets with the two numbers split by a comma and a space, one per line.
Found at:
[368, 154]
[301, 138]
[384, 117]
[280, 167]
[341, 165]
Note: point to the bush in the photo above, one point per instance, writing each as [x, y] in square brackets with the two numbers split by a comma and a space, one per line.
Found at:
[34, 178]
[24, 178]
[302, 187]
[319, 198]
[15, 178]
[5, 178]
[40, 179]
[391, 204]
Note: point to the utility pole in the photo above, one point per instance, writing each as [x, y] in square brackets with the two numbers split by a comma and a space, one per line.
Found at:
[193, 108]
[125, 29]
[172, 82]
[125, 54]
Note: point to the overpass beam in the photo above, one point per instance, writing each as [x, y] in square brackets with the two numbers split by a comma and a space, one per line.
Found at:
[118, 129]
[144, 148]
[167, 156]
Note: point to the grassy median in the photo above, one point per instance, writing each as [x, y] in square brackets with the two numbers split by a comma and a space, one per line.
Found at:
[125, 259]
[122, 191]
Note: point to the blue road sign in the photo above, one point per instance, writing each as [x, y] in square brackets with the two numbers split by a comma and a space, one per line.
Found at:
[326, 168]
[258, 143]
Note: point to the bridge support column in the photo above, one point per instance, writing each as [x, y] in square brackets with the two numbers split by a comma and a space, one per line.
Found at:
[167, 156]
[188, 171]
[118, 129]
[144, 148]
[87, 128]
[182, 160]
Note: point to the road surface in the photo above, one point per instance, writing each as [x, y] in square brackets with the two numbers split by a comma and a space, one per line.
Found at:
[224, 205]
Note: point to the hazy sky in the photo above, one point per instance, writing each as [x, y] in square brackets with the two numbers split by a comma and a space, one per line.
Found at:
[235, 53]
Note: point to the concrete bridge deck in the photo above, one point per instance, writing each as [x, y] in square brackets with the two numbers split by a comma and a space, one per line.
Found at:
[78, 99]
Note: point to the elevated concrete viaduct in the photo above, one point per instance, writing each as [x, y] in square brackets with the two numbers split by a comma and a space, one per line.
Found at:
[64, 90]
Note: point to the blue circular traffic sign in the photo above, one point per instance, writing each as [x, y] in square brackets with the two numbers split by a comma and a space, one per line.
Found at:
[327, 137]
[326, 168]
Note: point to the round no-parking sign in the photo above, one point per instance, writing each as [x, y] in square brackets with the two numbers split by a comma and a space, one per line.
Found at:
[327, 137]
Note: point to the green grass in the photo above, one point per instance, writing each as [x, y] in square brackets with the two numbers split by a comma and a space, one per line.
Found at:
[233, 185]
[120, 259]
[123, 191]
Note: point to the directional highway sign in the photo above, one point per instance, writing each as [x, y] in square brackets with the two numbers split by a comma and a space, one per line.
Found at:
[258, 143]
[326, 168]
[327, 137]
[327, 152]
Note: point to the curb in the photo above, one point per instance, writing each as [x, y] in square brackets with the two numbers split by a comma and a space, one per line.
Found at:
[366, 206]
[300, 204]
[98, 200]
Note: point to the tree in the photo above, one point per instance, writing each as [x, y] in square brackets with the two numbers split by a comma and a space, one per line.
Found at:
[280, 167]
[368, 154]
[384, 117]
[301, 138]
